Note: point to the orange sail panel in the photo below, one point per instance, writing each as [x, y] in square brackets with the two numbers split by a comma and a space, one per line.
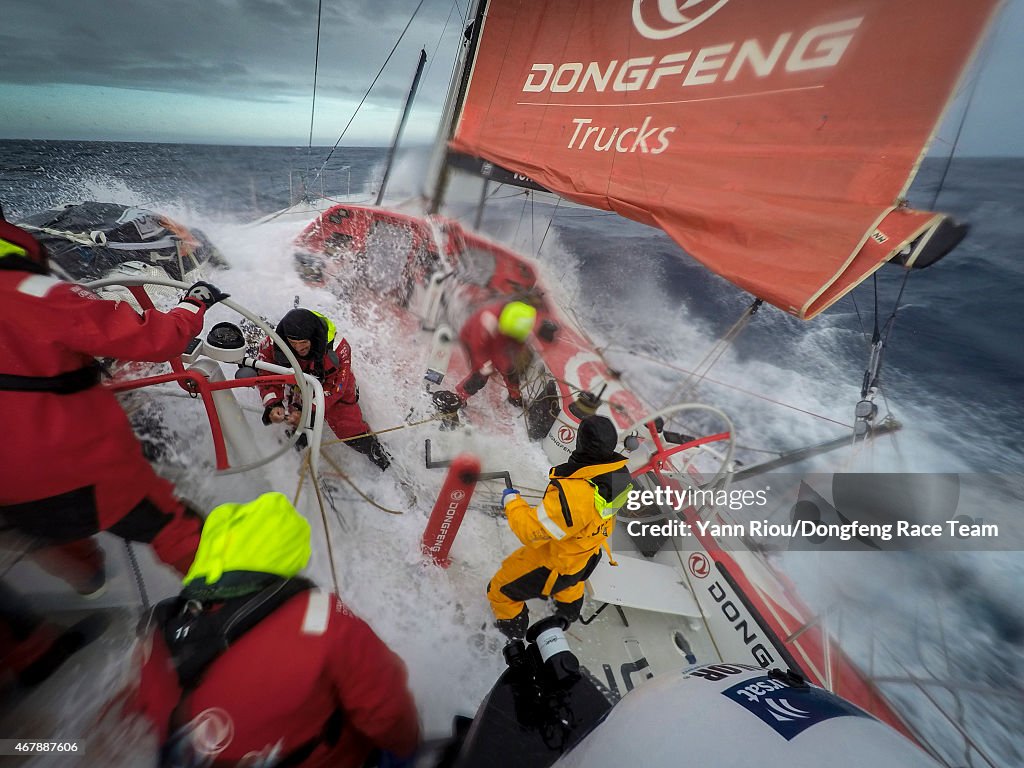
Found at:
[770, 140]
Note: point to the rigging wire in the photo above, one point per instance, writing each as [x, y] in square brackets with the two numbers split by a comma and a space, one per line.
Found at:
[522, 215]
[440, 38]
[367, 93]
[880, 337]
[551, 220]
[734, 387]
[963, 119]
[715, 353]
[533, 219]
[891, 320]
[860, 320]
[316, 72]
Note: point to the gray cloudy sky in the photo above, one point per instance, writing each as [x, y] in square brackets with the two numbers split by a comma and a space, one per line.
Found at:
[241, 71]
[223, 71]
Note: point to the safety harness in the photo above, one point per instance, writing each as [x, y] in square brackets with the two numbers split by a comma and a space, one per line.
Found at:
[606, 509]
[197, 637]
[67, 383]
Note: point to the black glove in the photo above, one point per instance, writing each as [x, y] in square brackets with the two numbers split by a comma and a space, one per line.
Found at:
[268, 408]
[203, 294]
[516, 400]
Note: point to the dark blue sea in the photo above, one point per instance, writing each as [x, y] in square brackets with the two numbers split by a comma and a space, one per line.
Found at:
[955, 348]
[953, 371]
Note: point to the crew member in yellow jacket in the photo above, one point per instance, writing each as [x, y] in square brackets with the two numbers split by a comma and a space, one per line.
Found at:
[562, 537]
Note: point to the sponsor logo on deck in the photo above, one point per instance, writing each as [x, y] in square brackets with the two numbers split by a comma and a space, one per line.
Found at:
[698, 565]
[789, 710]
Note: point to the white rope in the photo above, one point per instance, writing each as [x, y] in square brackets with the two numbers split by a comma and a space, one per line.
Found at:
[81, 238]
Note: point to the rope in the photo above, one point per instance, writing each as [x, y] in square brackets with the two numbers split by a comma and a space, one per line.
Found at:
[81, 238]
[139, 581]
[365, 95]
[421, 422]
[298, 489]
[356, 488]
[308, 468]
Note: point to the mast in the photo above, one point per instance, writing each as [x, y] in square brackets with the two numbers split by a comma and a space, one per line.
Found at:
[401, 125]
[453, 109]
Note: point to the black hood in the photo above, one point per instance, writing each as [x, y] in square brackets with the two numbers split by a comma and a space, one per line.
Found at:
[303, 324]
[595, 444]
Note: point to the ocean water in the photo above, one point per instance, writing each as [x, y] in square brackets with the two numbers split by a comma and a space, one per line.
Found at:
[953, 373]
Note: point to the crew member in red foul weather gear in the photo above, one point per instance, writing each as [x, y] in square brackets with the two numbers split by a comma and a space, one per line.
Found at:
[253, 665]
[70, 465]
[313, 339]
[494, 338]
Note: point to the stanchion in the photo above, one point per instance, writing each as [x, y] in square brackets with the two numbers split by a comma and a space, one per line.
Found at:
[450, 508]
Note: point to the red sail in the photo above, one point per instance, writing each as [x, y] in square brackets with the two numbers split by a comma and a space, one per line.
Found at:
[772, 141]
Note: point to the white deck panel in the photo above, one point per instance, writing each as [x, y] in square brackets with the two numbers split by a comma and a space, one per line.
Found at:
[636, 583]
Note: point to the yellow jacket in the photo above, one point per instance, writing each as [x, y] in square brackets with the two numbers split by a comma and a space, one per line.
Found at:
[575, 517]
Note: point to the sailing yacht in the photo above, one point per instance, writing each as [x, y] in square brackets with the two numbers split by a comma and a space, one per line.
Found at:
[774, 145]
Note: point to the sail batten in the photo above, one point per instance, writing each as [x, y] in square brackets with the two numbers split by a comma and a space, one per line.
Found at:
[772, 143]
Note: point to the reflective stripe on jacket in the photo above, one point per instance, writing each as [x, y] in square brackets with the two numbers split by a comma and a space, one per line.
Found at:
[573, 520]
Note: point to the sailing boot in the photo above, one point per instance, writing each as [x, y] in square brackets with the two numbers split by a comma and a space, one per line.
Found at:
[515, 394]
[448, 404]
[569, 611]
[370, 446]
[515, 628]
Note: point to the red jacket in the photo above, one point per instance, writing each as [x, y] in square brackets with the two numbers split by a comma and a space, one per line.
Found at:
[484, 343]
[56, 443]
[274, 689]
[338, 381]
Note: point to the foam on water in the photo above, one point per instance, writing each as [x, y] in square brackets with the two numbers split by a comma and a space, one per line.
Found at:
[438, 621]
